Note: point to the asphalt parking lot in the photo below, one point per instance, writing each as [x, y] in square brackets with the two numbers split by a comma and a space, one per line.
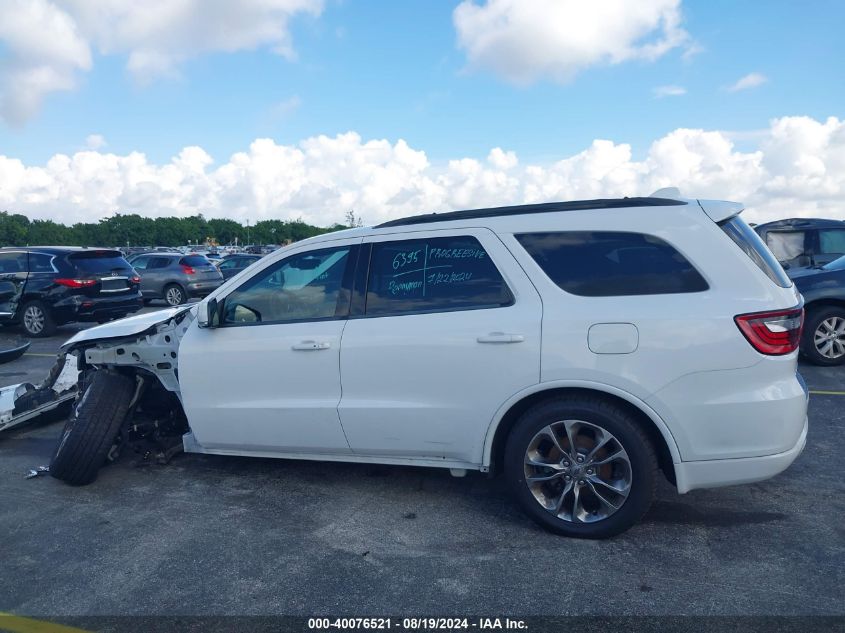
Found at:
[210, 535]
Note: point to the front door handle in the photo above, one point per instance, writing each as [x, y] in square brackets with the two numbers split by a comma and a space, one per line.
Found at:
[501, 338]
[311, 346]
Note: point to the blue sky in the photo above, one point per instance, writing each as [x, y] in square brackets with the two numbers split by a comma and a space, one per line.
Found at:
[398, 70]
[392, 70]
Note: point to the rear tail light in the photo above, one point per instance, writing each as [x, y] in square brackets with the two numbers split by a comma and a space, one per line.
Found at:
[188, 270]
[135, 280]
[76, 283]
[773, 333]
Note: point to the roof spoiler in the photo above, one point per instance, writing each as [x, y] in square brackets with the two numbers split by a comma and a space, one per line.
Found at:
[721, 210]
[716, 210]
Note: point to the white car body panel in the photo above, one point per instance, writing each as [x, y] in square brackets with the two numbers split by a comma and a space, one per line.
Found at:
[247, 389]
[422, 385]
[420, 388]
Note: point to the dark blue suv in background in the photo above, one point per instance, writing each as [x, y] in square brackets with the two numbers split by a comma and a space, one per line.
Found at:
[42, 287]
[804, 242]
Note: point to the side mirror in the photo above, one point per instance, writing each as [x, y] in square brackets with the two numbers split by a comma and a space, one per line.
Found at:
[213, 312]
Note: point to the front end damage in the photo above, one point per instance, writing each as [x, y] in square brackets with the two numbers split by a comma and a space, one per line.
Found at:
[141, 353]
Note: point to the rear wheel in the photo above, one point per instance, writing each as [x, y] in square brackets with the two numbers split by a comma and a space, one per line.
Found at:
[92, 428]
[174, 295]
[823, 340]
[581, 467]
[36, 321]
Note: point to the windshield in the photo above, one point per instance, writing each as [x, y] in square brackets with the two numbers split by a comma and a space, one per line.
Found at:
[836, 264]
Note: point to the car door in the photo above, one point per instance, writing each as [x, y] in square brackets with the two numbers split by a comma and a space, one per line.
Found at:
[13, 276]
[448, 328]
[157, 275]
[230, 267]
[267, 380]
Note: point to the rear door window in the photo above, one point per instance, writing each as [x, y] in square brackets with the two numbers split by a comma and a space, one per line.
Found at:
[94, 263]
[12, 263]
[157, 263]
[612, 264]
[433, 275]
[747, 239]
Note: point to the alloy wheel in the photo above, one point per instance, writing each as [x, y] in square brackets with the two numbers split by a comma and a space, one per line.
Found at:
[33, 320]
[829, 338]
[577, 471]
[173, 296]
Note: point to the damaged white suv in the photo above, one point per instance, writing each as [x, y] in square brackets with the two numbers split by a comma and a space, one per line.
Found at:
[577, 347]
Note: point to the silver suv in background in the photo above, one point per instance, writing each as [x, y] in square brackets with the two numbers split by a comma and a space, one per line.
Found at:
[175, 277]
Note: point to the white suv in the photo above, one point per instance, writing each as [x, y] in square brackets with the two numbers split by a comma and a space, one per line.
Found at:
[576, 347]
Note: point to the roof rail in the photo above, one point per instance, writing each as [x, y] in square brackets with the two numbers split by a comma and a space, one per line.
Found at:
[525, 209]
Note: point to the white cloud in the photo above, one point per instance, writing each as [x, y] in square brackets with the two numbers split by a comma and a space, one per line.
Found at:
[526, 40]
[751, 80]
[797, 169]
[43, 53]
[49, 41]
[668, 91]
[95, 141]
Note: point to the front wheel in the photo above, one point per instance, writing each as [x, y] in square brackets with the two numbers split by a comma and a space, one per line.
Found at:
[581, 466]
[823, 340]
[93, 427]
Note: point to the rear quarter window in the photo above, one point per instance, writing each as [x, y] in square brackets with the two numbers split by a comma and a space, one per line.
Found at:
[747, 239]
[612, 264]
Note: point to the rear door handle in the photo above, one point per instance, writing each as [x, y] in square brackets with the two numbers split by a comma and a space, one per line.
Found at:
[311, 346]
[501, 338]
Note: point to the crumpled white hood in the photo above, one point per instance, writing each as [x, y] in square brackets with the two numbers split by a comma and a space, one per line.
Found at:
[126, 327]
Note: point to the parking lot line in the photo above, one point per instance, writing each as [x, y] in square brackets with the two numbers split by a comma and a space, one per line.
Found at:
[19, 624]
[827, 393]
[37, 354]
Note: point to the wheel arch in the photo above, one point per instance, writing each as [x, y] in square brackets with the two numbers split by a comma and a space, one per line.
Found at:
[824, 302]
[494, 442]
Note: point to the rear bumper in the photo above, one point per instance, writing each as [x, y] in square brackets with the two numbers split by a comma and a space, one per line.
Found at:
[203, 288]
[715, 473]
[81, 308]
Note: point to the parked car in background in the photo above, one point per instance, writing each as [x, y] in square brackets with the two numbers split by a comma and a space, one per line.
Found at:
[233, 264]
[175, 277]
[42, 287]
[804, 242]
[823, 288]
[579, 348]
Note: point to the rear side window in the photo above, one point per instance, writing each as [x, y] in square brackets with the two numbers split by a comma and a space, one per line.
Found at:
[41, 263]
[832, 241]
[751, 244]
[612, 264]
[194, 260]
[433, 275]
[158, 263]
[98, 263]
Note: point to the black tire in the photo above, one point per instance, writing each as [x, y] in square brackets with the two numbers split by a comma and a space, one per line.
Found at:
[610, 418]
[815, 319]
[92, 428]
[29, 319]
[171, 292]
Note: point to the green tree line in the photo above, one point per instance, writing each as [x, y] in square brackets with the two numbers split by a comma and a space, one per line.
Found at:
[134, 230]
